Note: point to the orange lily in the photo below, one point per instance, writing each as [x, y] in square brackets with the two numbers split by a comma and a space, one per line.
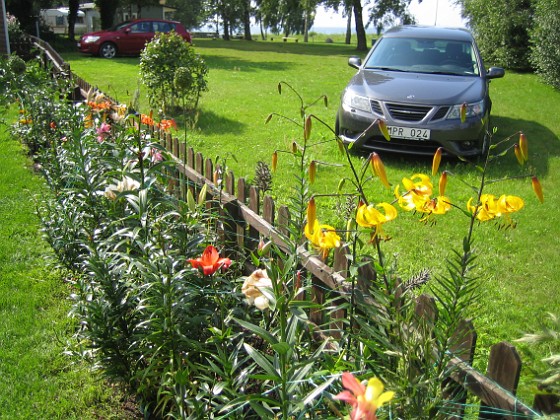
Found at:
[210, 261]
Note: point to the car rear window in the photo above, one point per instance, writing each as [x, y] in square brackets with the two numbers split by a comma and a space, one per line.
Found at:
[424, 55]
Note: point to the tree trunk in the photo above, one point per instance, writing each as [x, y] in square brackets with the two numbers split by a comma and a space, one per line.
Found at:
[348, 38]
[73, 6]
[225, 22]
[360, 30]
[247, 20]
[107, 9]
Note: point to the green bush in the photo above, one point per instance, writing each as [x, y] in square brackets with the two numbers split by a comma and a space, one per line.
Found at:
[545, 38]
[502, 31]
[173, 73]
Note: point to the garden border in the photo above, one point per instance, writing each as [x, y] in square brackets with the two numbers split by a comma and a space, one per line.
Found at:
[243, 225]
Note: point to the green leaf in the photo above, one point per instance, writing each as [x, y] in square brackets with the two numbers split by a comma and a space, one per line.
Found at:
[262, 361]
[281, 348]
[261, 332]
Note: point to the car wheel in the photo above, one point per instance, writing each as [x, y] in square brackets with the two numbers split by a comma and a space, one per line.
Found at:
[108, 50]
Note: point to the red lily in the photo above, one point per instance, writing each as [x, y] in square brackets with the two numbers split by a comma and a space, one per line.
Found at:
[210, 261]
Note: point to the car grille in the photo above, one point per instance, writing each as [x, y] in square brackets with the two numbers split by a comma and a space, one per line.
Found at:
[407, 112]
[376, 107]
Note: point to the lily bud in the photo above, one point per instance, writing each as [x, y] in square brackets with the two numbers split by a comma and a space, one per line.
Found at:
[442, 183]
[341, 184]
[518, 154]
[190, 201]
[463, 112]
[298, 280]
[307, 128]
[340, 146]
[537, 188]
[268, 119]
[383, 128]
[436, 161]
[312, 171]
[379, 169]
[216, 177]
[274, 161]
[295, 147]
[311, 212]
[280, 88]
[263, 247]
[524, 146]
[350, 227]
[202, 195]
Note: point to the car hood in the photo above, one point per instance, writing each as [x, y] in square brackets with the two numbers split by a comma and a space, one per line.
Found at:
[418, 88]
[99, 33]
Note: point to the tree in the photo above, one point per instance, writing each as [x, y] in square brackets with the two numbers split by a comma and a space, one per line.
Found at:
[192, 13]
[27, 12]
[107, 10]
[545, 38]
[382, 11]
[501, 28]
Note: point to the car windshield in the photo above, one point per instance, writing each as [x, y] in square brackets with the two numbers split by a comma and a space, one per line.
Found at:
[120, 26]
[420, 55]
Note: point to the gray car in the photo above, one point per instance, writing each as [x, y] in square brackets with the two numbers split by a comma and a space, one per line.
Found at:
[417, 79]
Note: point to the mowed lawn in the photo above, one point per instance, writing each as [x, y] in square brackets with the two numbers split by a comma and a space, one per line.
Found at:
[518, 267]
[37, 380]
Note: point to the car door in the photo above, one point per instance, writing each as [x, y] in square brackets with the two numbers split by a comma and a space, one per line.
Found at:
[136, 36]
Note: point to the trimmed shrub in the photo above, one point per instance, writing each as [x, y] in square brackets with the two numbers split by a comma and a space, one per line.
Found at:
[173, 73]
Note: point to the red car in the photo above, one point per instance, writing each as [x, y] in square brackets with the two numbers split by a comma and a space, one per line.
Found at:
[128, 38]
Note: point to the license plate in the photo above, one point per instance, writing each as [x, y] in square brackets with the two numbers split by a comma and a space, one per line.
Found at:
[409, 133]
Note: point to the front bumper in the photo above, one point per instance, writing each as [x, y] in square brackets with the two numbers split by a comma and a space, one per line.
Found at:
[461, 139]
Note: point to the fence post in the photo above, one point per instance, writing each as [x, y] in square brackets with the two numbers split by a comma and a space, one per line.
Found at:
[340, 265]
[504, 368]
[463, 344]
[241, 225]
[254, 204]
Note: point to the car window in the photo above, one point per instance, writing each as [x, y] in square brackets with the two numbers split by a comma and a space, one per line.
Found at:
[424, 56]
[141, 27]
[163, 27]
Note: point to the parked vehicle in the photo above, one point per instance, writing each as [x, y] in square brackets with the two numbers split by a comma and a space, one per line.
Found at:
[417, 79]
[128, 38]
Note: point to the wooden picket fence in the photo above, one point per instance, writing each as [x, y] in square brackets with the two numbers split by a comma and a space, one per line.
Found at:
[246, 217]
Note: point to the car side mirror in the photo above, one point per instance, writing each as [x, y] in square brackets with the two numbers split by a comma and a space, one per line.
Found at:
[355, 62]
[127, 31]
[495, 73]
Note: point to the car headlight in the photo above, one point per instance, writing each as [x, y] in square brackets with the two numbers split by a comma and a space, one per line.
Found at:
[473, 110]
[356, 101]
[90, 39]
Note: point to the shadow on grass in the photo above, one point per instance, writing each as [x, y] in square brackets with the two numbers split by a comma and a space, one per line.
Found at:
[235, 63]
[311, 48]
[211, 123]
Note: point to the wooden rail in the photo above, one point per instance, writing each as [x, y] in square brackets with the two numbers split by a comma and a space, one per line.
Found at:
[244, 223]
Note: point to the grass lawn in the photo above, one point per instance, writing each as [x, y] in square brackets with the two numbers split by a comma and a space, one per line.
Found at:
[36, 379]
[518, 267]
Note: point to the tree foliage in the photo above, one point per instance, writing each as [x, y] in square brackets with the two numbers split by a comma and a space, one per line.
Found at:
[502, 30]
[545, 38]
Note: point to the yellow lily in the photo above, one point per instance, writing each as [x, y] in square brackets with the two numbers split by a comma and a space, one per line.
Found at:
[370, 217]
[322, 237]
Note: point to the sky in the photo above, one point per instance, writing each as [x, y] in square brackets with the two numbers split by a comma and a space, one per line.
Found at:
[429, 12]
